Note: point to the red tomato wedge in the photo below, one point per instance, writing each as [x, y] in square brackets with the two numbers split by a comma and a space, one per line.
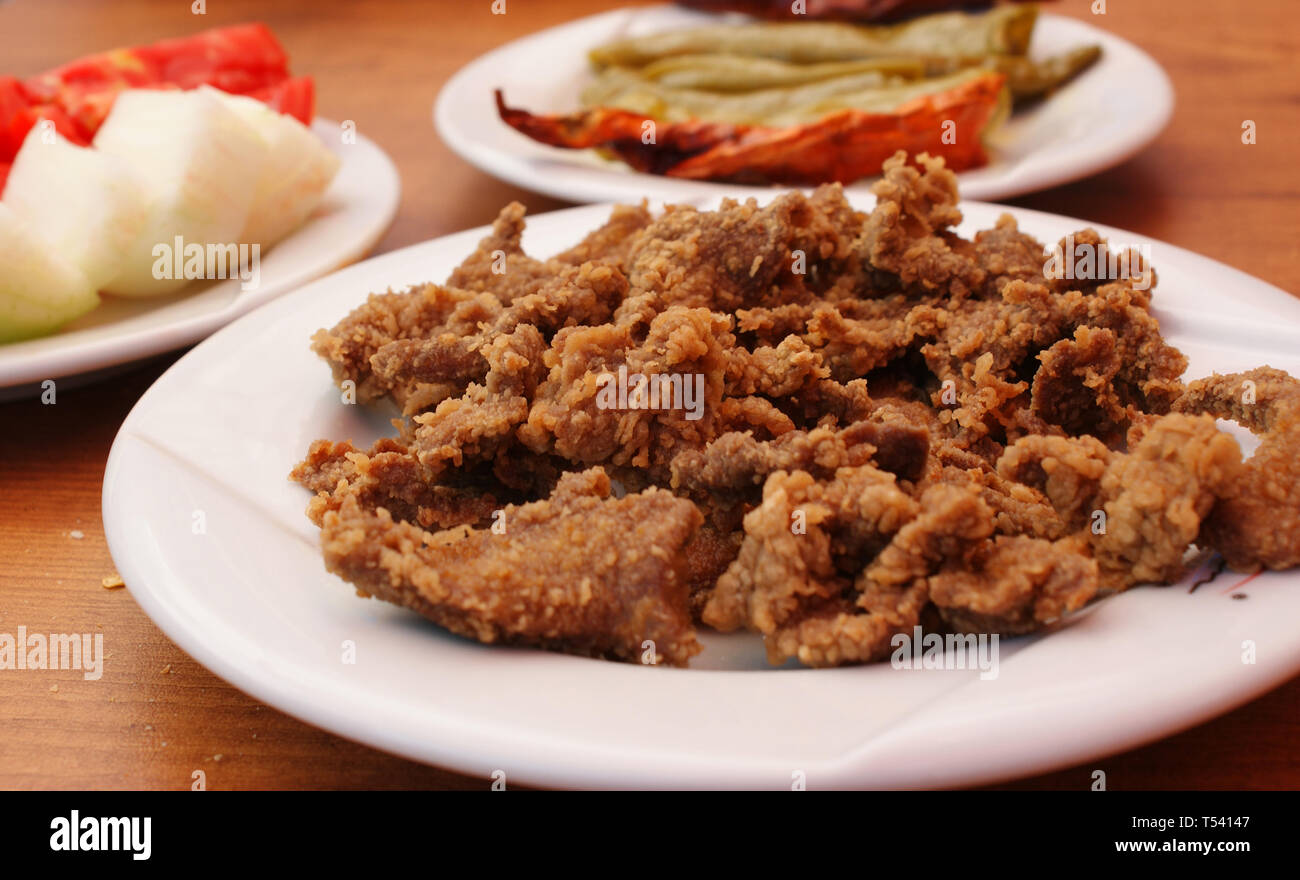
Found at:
[18, 113]
[77, 97]
[237, 59]
[13, 101]
[294, 97]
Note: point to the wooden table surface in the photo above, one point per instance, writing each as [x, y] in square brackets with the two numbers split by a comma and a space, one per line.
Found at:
[157, 715]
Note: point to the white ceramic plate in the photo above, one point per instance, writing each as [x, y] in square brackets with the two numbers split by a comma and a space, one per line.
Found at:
[355, 212]
[1101, 118]
[215, 437]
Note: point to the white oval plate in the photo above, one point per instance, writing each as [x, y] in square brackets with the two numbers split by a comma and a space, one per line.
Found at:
[352, 216]
[211, 538]
[1101, 118]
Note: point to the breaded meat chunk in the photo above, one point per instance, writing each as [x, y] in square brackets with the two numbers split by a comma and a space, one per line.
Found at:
[1015, 584]
[1141, 509]
[890, 595]
[1256, 521]
[578, 572]
[389, 476]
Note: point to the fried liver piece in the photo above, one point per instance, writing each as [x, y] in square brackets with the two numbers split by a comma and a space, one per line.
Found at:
[1140, 509]
[419, 313]
[829, 572]
[1015, 584]
[388, 476]
[890, 595]
[578, 572]
[1255, 523]
[804, 544]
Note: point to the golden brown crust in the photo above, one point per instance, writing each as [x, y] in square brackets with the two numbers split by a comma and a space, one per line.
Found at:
[619, 591]
[1256, 520]
[1015, 585]
[1139, 509]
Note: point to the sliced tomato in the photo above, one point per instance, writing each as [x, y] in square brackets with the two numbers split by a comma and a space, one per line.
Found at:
[294, 97]
[13, 97]
[13, 100]
[241, 60]
[236, 59]
[18, 115]
[23, 121]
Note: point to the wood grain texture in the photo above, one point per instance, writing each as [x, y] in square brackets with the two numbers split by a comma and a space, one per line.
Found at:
[157, 716]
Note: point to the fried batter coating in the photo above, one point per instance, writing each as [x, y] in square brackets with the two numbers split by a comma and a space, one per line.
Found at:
[771, 324]
[1006, 254]
[1067, 470]
[725, 477]
[756, 414]
[735, 461]
[1015, 585]
[775, 372]
[1074, 388]
[414, 314]
[859, 423]
[1149, 368]
[852, 347]
[1256, 521]
[708, 554]
[1144, 507]
[1102, 350]
[1157, 495]
[1018, 509]
[829, 403]
[448, 357]
[467, 429]
[977, 357]
[445, 359]
[389, 477]
[500, 267]
[890, 595]
[611, 242]
[572, 415]
[620, 584]
[742, 255]
[904, 235]
[804, 544]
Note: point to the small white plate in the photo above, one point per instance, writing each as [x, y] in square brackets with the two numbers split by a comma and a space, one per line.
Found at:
[211, 538]
[353, 215]
[1101, 118]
